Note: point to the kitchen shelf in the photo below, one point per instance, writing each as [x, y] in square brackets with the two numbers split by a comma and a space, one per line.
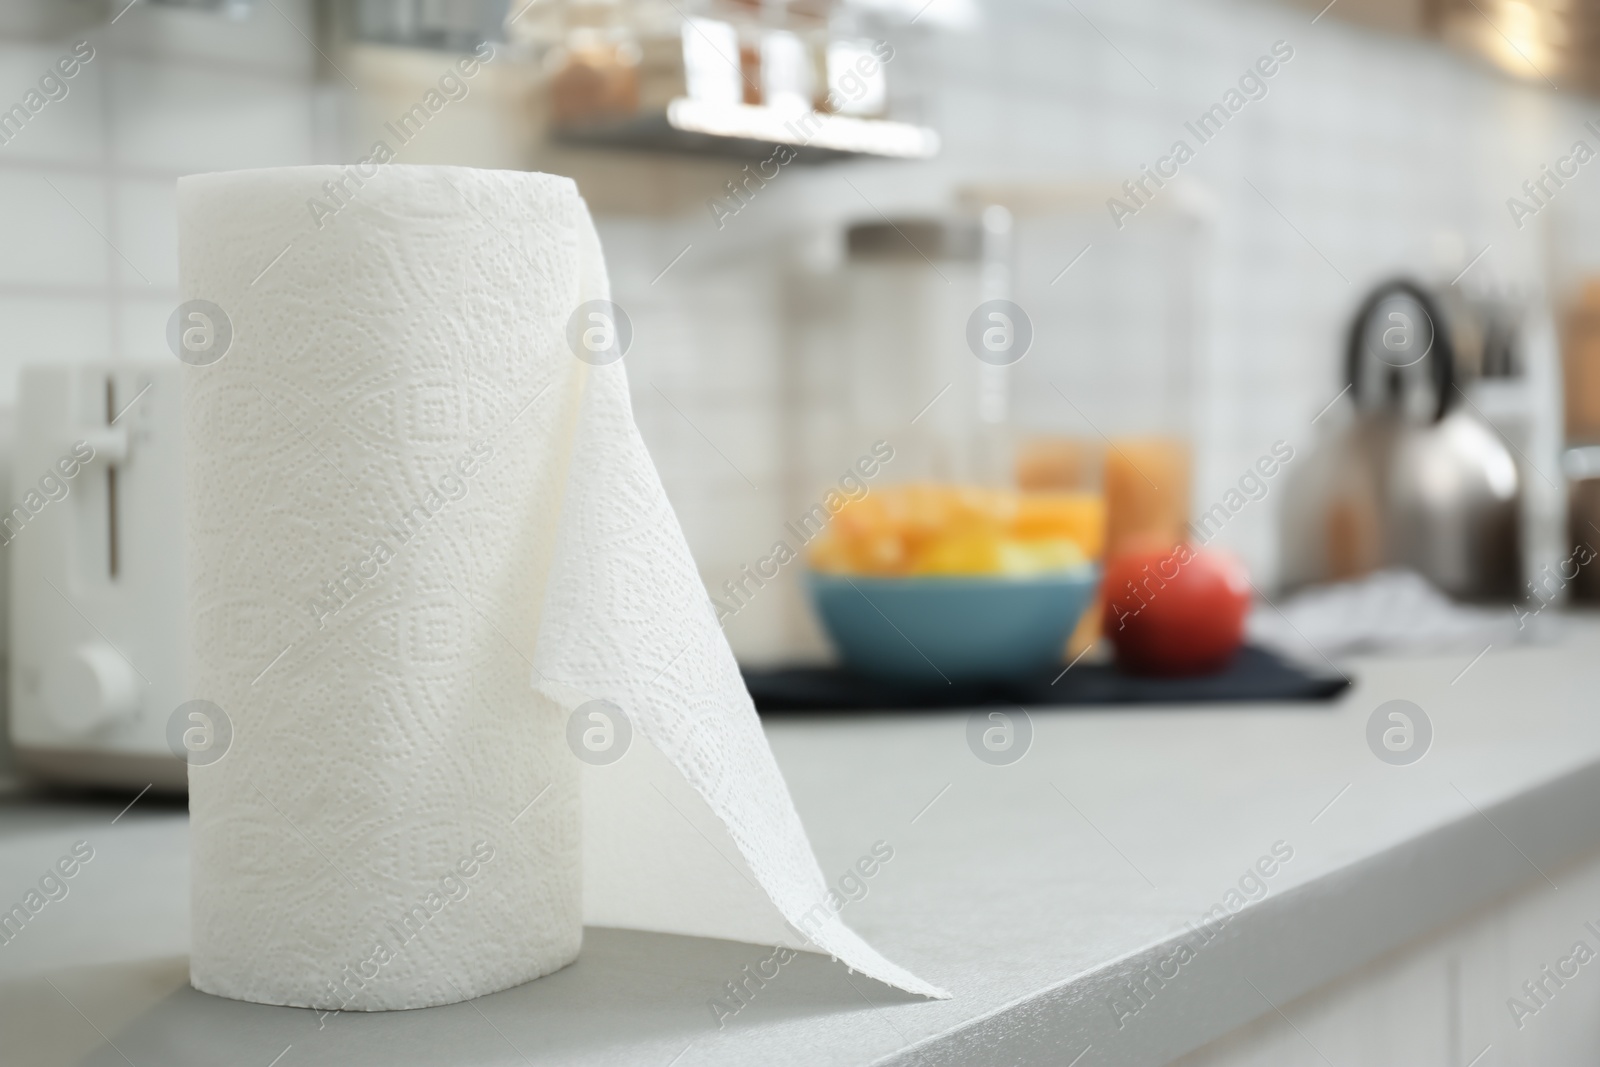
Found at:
[746, 131]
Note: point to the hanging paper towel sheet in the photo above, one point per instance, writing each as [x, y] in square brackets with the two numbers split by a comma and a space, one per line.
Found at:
[420, 534]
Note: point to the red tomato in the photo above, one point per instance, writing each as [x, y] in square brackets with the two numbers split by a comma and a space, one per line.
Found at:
[1176, 611]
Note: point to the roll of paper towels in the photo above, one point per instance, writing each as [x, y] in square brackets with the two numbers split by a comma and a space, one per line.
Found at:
[474, 690]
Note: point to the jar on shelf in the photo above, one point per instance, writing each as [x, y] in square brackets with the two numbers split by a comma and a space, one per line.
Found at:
[596, 66]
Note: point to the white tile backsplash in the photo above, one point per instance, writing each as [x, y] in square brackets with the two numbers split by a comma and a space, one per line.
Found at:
[180, 120]
[89, 264]
[68, 130]
[47, 328]
[269, 39]
[53, 228]
[141, 325]
[146, 231]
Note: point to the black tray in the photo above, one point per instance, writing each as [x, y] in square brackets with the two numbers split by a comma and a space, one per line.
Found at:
[1254, 674]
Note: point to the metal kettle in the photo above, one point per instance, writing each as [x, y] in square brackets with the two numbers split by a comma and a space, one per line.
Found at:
[1410, 477]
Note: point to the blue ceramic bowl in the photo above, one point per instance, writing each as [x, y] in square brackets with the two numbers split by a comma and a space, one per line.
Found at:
[930, 630]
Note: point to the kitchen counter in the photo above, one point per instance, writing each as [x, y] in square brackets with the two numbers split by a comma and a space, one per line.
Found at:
[1036, 892]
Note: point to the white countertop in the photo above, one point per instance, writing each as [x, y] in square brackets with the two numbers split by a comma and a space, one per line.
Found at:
[1032, 891]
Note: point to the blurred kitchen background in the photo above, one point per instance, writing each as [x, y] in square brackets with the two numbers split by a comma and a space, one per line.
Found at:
[777, 336]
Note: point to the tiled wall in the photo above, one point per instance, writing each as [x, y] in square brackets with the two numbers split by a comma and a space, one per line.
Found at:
[1369, 154]
[88, 268]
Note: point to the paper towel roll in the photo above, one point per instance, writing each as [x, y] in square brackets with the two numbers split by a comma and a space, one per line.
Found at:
[422, 535]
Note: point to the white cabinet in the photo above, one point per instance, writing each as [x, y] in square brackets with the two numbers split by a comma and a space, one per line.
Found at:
[1444, 1000]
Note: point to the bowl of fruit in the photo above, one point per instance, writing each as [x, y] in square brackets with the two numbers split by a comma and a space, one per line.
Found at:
[930, 584]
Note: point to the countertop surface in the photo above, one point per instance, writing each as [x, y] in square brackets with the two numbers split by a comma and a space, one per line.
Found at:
[1035, 891]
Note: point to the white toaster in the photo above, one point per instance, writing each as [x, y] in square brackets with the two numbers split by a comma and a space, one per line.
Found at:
[93, 537]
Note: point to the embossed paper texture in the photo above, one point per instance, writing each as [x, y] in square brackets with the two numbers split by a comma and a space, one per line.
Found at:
[420, 535]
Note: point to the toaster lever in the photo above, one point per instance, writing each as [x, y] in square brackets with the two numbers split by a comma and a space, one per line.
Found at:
[110, 443]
